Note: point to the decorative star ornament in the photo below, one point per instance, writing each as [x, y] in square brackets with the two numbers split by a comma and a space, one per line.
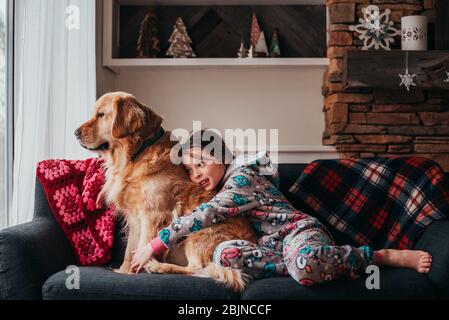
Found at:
[447, 76]
[407, 80]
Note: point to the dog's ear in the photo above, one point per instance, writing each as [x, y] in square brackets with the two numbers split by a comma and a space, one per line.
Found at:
[132, 117]
[129, 117]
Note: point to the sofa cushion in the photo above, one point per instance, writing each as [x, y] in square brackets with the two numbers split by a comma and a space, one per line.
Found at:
[435, 241]
[100, 283]
[394, 284]
[103, 284]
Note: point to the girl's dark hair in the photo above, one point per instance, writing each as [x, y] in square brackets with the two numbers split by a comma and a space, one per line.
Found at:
[203, 140]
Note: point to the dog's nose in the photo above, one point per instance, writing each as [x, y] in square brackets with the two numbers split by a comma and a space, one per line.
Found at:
[77, 133]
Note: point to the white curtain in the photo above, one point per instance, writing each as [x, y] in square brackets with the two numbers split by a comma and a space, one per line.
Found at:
[55, 88]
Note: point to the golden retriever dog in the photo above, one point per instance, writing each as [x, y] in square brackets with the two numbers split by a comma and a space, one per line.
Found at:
[150, 191]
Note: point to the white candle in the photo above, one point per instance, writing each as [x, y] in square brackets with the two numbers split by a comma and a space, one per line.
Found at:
[414, 33]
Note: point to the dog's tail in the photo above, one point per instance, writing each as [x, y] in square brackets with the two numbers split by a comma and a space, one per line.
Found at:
[231, 278]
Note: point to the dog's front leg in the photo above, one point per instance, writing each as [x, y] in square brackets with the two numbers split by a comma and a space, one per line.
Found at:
[146, 234]
[132, 243]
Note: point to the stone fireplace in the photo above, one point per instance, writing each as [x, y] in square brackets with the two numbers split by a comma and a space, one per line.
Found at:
[391, 122]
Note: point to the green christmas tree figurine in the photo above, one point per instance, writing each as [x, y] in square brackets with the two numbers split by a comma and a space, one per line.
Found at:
[274, 47]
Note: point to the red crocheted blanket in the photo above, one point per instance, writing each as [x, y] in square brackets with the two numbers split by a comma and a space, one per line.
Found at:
[72, 188]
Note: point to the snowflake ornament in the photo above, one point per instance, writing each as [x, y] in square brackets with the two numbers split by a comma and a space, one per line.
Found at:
[407, 78]
[375, 28]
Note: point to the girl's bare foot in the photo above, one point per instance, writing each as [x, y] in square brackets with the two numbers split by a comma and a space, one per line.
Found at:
[420, 261]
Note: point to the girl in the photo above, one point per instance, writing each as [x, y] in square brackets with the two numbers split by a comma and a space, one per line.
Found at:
[289, 242]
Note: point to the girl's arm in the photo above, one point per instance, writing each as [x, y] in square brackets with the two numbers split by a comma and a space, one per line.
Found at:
[235, 198]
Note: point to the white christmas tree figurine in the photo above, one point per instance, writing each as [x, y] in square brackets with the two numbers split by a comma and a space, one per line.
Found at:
[242, 51]
[250, 53]
[261, 49]
[180, 42]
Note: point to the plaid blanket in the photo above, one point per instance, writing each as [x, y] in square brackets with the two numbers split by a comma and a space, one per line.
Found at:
[380, 202]
[72, 188]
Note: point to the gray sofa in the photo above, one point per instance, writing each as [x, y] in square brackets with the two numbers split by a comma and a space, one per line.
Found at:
[34, 256]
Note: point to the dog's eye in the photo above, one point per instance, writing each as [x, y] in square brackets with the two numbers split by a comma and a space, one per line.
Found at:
[100, 115]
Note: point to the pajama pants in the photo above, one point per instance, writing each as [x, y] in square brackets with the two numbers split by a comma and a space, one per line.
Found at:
[308, 254]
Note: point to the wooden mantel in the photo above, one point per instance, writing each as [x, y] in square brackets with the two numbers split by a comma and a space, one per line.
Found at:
[381, 69]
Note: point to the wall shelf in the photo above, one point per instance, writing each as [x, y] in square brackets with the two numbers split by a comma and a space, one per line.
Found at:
[114, 59]
[220, 2]
[118, 64]
[381, 69]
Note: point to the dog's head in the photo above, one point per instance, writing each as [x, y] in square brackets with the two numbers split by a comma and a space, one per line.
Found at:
[117, 117]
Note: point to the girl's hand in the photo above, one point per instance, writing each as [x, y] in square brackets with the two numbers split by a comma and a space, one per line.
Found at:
[141, 257]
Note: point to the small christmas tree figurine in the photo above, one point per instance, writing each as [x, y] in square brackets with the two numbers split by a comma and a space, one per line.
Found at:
[261, 49]
[242, 51]
[250, 53]
[147, 41]
[255, 31]
[274, 47]
[180, 42]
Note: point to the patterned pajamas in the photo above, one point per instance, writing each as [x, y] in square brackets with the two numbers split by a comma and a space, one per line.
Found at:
[290, 242]
[309, 255]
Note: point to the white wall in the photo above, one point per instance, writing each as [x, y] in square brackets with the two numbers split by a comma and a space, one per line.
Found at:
[105, 77]
[289, 100]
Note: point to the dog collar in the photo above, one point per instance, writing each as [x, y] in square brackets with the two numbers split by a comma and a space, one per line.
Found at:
[150, 142]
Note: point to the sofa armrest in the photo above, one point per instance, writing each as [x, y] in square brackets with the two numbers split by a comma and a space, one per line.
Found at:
[41, 205]
[29, 254]
[435, 240]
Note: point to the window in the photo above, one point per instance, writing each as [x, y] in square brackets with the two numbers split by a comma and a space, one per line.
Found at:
[3, 115]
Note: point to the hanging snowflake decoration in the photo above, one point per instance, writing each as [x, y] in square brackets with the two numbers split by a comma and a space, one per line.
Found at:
[407, 78]
[375, 29]
[447, 76]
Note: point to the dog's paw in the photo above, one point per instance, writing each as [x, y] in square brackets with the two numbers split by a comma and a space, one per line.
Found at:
[152, 266]
[120, 271]
[101, 199]
[124, 269]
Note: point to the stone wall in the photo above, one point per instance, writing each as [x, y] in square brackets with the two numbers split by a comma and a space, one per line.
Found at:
[373, 122]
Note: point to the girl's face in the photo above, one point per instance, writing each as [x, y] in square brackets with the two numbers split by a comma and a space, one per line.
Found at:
[204, 169]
